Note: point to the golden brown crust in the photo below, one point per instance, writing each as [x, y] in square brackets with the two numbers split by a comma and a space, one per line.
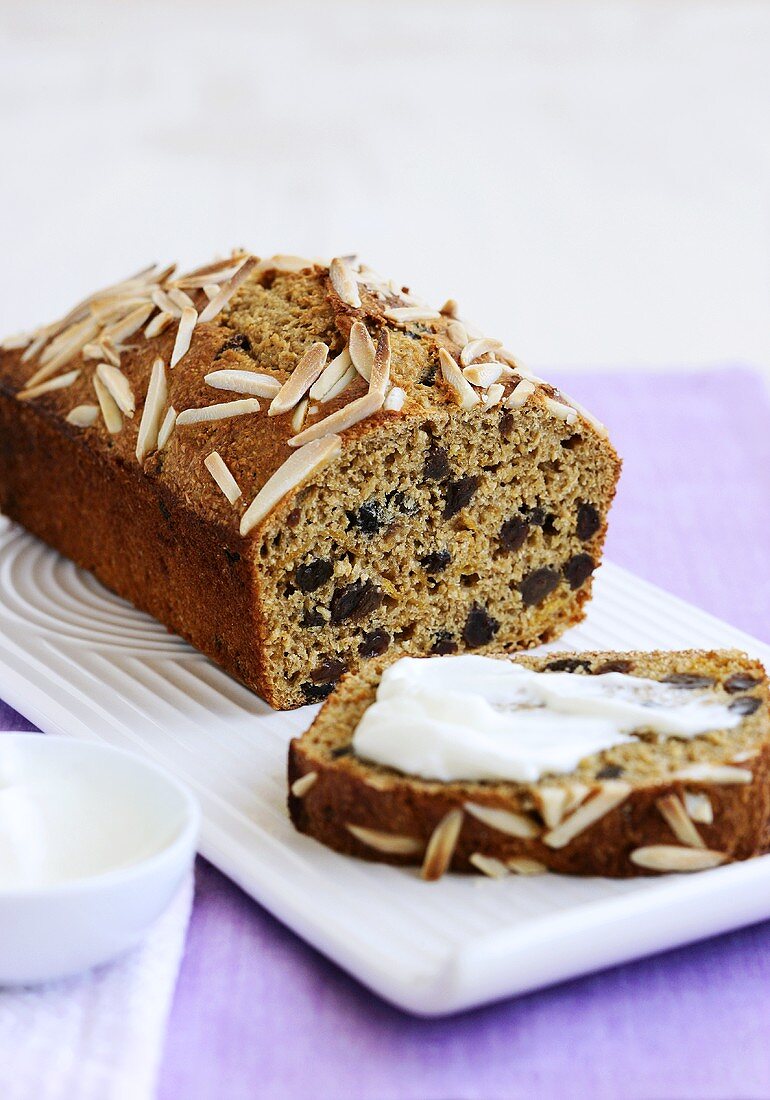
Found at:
[349, 791]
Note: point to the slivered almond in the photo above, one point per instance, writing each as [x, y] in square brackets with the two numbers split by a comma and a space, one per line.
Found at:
[216, 305]
[243, 381]
[285, 264]
[552, 804]
[179, 298]
[610, 796]
[343, 282]
[52, 384]
[158, 324]
[110, 411]
[83, 416]
[561, 411]
[118, 386]
[362, 350]
[220, 471]
[167, 427]
[669, 857]
[349, 376]
[589, 416]
[504, 821]
[679, 821]
[330, 376]
[184, 333]
[296, 469]
[519, 394]
[221, 411]
[154, 403]
[489, 866]
[166, 303]
[449, 308]
[67, 351]
[441, 846]
[110, 352]
[299, 414]
[475, 348]
[211, 290]
[522, 865]
[493, 396]
[453, 376]
[506, 356]
[576, 796]
[75, 336]
[131, 323]
[380, 379]
[698, 806]
[405, 315]
[390, 843]
[340, 420]
[307, 370]
[483, 374]
[457, 333]
[17, 340]
[394, 402]
[301, 786]
[719, 774]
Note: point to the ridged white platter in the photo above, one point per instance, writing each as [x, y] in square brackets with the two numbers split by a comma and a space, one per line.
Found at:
[78, 661]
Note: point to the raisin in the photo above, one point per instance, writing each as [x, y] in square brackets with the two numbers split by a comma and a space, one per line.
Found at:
[610, 771]
[313, 574]
[688, 680]
[342, 750]
[369, 518]
[739, 681]
[506, 424]
[513, 534]
[436, 463]
[746, 705]
[444, 644]
[535, 515]
[459, 494]
[537, 585]
[313, 617]
[579, 569]
[328, 671]
[354, 601]
[374, 644]
[614, 666]
[403, 503]
[588, 522]
[568, 664]
[232, 555]
[293, 517]
[238, 342]
[429, 377]
[314, 693]
[436, 562]
[480, 628]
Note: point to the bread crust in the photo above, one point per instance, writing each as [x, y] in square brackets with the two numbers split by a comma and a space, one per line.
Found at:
[349, 792]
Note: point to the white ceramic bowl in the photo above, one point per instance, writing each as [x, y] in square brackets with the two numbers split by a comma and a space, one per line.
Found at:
[94, 842]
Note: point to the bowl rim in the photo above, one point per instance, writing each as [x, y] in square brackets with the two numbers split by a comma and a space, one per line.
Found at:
[179, 845]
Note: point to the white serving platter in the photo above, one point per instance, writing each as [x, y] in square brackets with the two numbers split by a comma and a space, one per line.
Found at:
[78, 661]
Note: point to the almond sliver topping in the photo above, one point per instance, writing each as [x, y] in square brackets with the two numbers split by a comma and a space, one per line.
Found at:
[167, 427]
[494, 395]
[504, 821]
[184, 333]
[154, 403]
[441, 846]
[221, 411]
[378, 383]
[453, 376]
[118, 386]
[520, 394]
[474, 348]
[679, 821]
[83, 416]
[307, 370]
[522, 865]
[166, 303]
[390, 843]
[719, 774]
[219, 470]
[349, 376]
[158, 324]
[301, 786]
[52, 384]
[362, 349]
[488, 865]
[394, 402]
[244, 381]
[343, 418]
[698, 806]
[561, 411]
[122, 330]
[406, 314]
[344, 284]
[669, 857]
[110, 411]
[457, 333]
[216, 305]
[296, 469]
[330, 376]
[610, 796]
[483, 374]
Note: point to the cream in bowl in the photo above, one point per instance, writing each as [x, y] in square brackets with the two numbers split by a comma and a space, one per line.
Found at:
[94, 842]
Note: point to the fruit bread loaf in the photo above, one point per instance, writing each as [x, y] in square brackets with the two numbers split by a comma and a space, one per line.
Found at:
[301, 467]
[647, 802]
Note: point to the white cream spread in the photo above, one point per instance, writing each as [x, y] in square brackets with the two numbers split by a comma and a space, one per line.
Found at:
[467, 717]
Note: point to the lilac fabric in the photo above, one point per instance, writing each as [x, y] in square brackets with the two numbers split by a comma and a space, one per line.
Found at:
[259, 1013]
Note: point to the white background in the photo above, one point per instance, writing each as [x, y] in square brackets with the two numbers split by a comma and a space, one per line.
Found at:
[590, 180]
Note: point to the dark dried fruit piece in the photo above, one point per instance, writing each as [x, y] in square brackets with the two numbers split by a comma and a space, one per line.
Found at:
[535, 515]
[688, 680]
[740, 681]
[588, 522]
[239, 341]
[313, 617]
[314, 693]
[610, 771]
[506, 424]
[374, 644]
[328, 671]
[232, 555]
[513, 534]
[313, 574]
[436, 463]
[355, 601]
[444, 644]
[480, 628]
[747, 704]
[568, 664]
[537, 585]
[459, 494]
[579, 569]
[436, 562]
[613, 666]
[370, 517]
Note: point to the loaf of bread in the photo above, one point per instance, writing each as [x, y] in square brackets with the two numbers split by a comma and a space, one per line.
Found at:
[301, 468]
[655, 804]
